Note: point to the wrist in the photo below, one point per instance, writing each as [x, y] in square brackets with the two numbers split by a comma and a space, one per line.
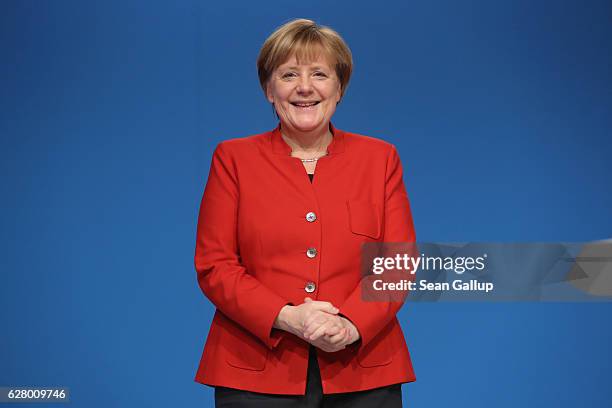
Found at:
[284, 319]
[353, 332]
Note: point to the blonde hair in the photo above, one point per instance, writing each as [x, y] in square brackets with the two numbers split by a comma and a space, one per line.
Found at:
[304, 39]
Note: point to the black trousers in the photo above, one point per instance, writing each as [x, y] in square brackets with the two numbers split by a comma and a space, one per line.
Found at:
[384, 397]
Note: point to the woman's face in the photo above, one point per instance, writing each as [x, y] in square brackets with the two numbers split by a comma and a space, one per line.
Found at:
[304, 95]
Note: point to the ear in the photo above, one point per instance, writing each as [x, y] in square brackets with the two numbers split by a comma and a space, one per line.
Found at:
[269, 95]
[339, 93]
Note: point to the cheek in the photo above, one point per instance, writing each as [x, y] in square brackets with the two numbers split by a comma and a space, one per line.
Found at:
[333, 94]
[331, 108]
[282, 98]
[333, 99]
[276, 94]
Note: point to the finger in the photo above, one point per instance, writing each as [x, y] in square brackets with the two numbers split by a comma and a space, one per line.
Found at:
[340, 337]
[323, 345]
[324, 307]
[315, 320]
[313, 327]
[332, 331]
[307, 299]
[319, 331]
[329, 333]
[336, 337]
[319, 318]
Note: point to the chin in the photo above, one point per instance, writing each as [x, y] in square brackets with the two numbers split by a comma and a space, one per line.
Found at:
[306, 126]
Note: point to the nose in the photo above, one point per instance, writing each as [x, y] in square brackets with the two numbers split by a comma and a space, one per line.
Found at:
[304, 85]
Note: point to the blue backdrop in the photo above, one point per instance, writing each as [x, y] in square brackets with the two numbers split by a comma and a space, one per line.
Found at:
[501, 112]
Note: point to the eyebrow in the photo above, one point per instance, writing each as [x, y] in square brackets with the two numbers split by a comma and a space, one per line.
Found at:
[313, 68]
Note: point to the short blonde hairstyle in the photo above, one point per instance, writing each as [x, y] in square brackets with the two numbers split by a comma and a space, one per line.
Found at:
[304, 39]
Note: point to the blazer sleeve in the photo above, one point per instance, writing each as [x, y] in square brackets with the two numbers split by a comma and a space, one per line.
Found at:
[372, 316]
[221, 276]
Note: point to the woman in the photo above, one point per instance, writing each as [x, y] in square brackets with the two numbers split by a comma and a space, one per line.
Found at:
[281, 224]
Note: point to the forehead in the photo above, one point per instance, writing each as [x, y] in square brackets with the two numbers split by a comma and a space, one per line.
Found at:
[309, 57]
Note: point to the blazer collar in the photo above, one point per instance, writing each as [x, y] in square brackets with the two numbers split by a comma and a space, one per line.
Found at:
[279, 146]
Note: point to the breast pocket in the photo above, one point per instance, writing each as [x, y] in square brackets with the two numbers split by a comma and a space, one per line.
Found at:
[364, 218]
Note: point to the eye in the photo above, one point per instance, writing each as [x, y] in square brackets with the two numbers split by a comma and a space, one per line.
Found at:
[288, 75]
[320, 74]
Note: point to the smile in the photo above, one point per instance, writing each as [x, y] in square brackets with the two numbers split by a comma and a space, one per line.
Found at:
[304, 105]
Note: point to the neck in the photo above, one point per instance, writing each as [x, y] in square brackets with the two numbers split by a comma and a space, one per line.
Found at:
[312, 142]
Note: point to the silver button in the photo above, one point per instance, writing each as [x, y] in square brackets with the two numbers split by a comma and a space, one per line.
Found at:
[310, 287]
[311, 252]
[311, 217]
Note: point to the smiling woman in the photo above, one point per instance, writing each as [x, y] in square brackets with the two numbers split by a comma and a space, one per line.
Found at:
[304, 70]
[304, 93]
[278, 249]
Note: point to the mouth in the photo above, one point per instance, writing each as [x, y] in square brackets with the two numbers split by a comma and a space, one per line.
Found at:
[305, 104]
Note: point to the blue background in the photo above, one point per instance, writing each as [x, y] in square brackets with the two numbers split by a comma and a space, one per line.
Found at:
[501, 112]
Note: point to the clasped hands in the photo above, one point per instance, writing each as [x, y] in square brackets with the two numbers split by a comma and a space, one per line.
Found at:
[318, 323]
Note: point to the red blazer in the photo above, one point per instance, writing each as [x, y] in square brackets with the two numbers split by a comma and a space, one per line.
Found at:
[252, 257]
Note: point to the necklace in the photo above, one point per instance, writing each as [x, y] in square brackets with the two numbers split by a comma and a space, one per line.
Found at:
[293, 144]
[314, 159]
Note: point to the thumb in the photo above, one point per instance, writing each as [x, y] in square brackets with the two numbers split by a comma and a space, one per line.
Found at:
[323, 306]
[333, 309]
[329, 308]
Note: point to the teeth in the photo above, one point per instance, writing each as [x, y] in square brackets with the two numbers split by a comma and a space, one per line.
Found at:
[304, 105]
